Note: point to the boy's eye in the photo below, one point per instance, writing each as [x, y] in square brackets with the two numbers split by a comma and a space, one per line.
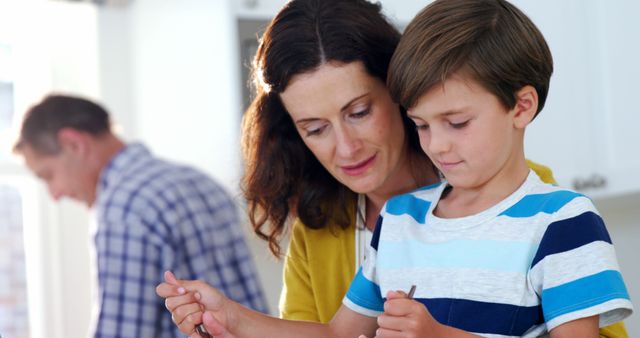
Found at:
[421, 126]
[459, 125]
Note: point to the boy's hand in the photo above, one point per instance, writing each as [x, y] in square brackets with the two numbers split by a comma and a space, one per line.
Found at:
[188, 300]
[406, 318]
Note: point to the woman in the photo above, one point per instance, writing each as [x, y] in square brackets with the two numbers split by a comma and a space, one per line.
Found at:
[325, 146]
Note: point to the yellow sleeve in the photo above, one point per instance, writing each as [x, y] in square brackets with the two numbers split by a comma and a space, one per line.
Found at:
[616, 330]
[296, 298]
[545, 174]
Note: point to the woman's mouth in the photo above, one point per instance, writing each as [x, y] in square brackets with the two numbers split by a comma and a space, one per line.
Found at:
[358, 168]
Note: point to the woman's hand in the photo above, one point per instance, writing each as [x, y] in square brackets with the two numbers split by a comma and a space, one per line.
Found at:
[188, 300]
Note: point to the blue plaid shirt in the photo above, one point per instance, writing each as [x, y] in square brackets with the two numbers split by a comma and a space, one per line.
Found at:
[155, 216]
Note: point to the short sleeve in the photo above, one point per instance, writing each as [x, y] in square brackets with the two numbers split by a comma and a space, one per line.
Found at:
[364, 295]
[575, 271]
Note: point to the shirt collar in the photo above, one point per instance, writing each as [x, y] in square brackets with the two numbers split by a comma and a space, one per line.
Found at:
[122, 162]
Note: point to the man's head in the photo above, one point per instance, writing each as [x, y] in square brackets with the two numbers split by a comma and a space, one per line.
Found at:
[61, 141]
[489, 41]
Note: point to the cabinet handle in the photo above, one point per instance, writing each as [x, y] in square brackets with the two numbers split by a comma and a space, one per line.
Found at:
[251, 3]
[595, 181]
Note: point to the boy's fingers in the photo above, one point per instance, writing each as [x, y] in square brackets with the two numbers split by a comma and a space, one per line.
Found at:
[396, 294]
[398, 306]
[391, 322]
[385, 333]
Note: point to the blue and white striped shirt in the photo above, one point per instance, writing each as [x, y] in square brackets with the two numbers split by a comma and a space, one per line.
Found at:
[538, 259]
[154, 216]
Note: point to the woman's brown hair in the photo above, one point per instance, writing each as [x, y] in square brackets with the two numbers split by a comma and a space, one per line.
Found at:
[282, 177]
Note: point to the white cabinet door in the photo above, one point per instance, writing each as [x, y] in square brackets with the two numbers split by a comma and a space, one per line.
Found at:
[620, 91]
[564, 136]
[256, 9]
[586, 131]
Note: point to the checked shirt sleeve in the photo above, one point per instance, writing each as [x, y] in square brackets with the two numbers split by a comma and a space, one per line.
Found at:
[129, 265]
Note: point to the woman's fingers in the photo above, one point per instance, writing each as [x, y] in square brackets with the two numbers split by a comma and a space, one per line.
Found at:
[165, 290]
[170, 278]
[214, 327]
[186, 317]
[184, 314]
[171, 303]
[205, 294]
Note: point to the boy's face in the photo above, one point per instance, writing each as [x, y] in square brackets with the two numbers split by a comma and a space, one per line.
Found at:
[466, 131]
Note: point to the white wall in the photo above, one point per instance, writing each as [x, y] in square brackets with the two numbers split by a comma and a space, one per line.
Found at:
[115, 66]
[184, 79]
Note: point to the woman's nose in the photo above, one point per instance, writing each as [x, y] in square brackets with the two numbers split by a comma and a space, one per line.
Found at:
[347, 143]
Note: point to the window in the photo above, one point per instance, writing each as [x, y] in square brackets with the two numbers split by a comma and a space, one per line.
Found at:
[6, 101]
[13, 283]
[14, 316]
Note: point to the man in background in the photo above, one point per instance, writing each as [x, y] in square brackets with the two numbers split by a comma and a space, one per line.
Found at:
[152, 216]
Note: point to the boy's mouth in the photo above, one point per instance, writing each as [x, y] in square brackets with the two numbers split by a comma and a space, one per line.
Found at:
[448, 165]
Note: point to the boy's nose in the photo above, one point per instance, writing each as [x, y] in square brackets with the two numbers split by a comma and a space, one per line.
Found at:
[438, 142]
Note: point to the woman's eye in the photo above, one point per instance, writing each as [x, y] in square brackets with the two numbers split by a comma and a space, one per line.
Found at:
[315, 131]
[459, 125]
[360, 114]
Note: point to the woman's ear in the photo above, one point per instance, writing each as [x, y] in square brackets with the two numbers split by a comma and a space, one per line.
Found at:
[526, 106]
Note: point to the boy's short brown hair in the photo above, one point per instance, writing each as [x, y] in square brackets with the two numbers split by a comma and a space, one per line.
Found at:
[491, 41]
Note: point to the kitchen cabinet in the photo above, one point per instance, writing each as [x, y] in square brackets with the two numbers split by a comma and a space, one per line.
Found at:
[620, 53]
[398, 11]
[586, 131]
[256, 9]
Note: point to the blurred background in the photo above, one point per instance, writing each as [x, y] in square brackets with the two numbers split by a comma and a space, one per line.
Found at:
[174, 75]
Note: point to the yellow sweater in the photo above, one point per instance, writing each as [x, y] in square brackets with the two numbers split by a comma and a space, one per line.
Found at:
[319, 267]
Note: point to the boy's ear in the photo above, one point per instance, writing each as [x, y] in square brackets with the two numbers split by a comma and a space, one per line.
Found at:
[73, 140]
[526, 106]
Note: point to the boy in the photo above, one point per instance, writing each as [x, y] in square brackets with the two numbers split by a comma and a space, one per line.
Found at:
[493, 251]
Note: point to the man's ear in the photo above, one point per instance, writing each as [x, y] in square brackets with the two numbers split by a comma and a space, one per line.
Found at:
[526, 106]
[73, 140]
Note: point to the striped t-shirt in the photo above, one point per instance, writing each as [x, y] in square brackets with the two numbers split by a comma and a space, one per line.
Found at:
[538, 259]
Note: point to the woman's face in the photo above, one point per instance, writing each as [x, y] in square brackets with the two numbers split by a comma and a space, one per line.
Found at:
[347, 119]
